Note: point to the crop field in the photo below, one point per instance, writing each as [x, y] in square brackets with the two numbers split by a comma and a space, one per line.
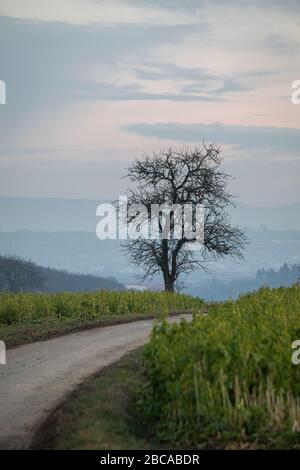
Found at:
[26, 317]
[227, 377]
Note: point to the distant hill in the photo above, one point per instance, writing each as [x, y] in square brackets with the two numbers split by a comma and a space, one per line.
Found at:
[64, 281]
[285, 217]
[60, 233]
[82, 252]
[213, 289]
[77, 215]
[19, 274]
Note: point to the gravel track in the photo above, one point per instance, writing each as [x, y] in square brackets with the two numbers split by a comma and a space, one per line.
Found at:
[38, 376]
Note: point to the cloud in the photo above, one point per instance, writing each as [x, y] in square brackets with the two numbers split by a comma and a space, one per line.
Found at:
[202, 80]
[94, 12]
[273, 139]
[42, 55]
[192, 5]
[131, 92]
[79, 70]
[44, 64]
[167, 71]
[228, 85]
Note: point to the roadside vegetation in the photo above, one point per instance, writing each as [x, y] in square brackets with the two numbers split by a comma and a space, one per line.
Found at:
[101, 413]
[227, 377]
[224, 380]
[28, 317]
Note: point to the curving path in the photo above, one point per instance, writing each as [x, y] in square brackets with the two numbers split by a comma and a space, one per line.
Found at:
[39, 375]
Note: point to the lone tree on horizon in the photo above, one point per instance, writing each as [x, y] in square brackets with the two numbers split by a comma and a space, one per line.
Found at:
[183, 176]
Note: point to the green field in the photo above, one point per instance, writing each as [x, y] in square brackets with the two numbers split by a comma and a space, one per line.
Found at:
[227, 377]
[224, 380]
[29, 317]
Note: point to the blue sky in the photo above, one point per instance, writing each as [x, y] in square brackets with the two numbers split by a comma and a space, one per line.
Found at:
[92, 84]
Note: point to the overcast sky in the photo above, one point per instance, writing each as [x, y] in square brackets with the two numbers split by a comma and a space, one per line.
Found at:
[91, 84]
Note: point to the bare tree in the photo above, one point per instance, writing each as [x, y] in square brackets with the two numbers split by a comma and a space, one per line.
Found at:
[183, 176]
[19, 275]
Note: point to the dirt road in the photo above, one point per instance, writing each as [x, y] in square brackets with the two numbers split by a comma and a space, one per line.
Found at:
[39, 375]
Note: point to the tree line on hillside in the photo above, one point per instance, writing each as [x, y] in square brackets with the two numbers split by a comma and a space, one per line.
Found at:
[285, 276]
[20, 275]
[216, 289]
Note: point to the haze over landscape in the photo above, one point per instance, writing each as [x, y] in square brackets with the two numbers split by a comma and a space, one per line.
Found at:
[93, 84]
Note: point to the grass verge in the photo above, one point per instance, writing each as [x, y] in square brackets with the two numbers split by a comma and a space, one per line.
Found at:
[15, 335]
[101, 413]
[27, 317]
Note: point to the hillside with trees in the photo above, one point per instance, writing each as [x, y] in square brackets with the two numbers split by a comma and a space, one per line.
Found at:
[20, 275]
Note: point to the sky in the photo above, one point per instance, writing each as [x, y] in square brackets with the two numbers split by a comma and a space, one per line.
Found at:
[92, 84]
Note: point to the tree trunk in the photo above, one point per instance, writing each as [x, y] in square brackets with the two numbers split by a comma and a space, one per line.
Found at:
[169, 283]
[168, 279]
